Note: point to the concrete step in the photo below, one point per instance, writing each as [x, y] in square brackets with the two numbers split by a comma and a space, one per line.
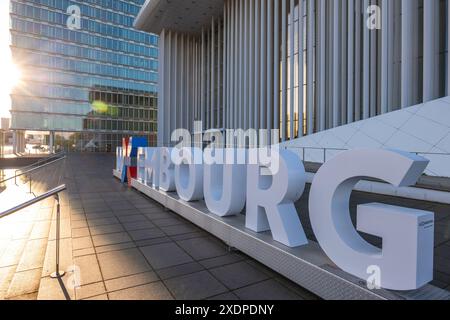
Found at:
[23, 243]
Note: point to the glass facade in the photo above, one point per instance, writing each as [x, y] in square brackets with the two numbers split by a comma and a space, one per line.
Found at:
[92, 83]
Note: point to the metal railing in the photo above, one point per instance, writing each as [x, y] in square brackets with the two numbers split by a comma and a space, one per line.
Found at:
[37, 163]
[52, 193]
[28, 172]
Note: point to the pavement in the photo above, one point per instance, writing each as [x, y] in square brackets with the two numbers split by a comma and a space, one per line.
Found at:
[118, 244]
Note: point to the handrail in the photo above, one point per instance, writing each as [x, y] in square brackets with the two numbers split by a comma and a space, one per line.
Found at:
[24, 205]
[33, 169]
[54, 192]
[56, 155]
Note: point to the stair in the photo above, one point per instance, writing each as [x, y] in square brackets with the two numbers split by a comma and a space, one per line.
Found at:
[24, 238]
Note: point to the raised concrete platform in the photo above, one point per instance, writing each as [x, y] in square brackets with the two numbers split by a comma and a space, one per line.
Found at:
[307, 266]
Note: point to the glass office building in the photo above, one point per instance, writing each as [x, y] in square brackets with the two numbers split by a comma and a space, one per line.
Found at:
[88, 77]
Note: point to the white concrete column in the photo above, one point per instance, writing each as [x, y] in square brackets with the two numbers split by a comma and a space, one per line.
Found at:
[448, 47]
[252, 67]
[263, 65]
[291, 70]
[276, 66]
[357, 100]
[350, 62]
[430, 50]
[366, 63]
[270, 68]
[310, 67]
[283, 69]
[336, 64]
[407, 54]
[385, 66]
[301, 81]
[257, 61]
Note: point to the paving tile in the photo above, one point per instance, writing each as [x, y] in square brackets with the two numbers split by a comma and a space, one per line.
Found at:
[90, 290]
[224, 296]
[132, 226]
[146, 234]
[167, 222]
[83, 252]
[195, 286]
[82, 243]
[89, 271]
[203, 248]
[152, 291]
[131, 281]
[79, 224]
[221, 261]
[151, 242]
[266, 290]
[111, 228]
[102, 221]
[112, 238]
[40, 230]
[53, 289]
[115, 247]
[33, 255]
[24, 282]
[165, 255]
[80, 232]
[13, 252]
[132, 218]
[179, 229]
[121, 213]
[179, 270]
[102, 297]
[116, 264]
[238, 275]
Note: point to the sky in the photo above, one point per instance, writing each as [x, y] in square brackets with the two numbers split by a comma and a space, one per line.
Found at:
[9, 73]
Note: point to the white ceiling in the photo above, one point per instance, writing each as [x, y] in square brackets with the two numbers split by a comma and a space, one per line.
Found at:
[178, 15]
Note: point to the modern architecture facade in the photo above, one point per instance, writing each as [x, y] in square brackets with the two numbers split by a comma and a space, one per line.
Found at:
[302, 67]
[88, 77]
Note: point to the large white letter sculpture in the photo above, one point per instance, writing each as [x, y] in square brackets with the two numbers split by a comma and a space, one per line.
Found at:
[141, 164]
[189, 173]
[224, 185]
[152, 162]
[119, 159]
[166, 173]
[270, 199]
[406, 259]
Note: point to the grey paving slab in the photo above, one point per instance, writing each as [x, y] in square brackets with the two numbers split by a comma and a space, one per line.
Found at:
[266, 290]
[165, 255]
[203, 248]
[116, 264]
[200, 285]
[111, 238]
[131, 281]
[106, 229]
[146, 234]
[132, 226]
[88, 268]
[179, 270]
[179, 229]
[238, 275]
[152, 291]
[222, 260]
